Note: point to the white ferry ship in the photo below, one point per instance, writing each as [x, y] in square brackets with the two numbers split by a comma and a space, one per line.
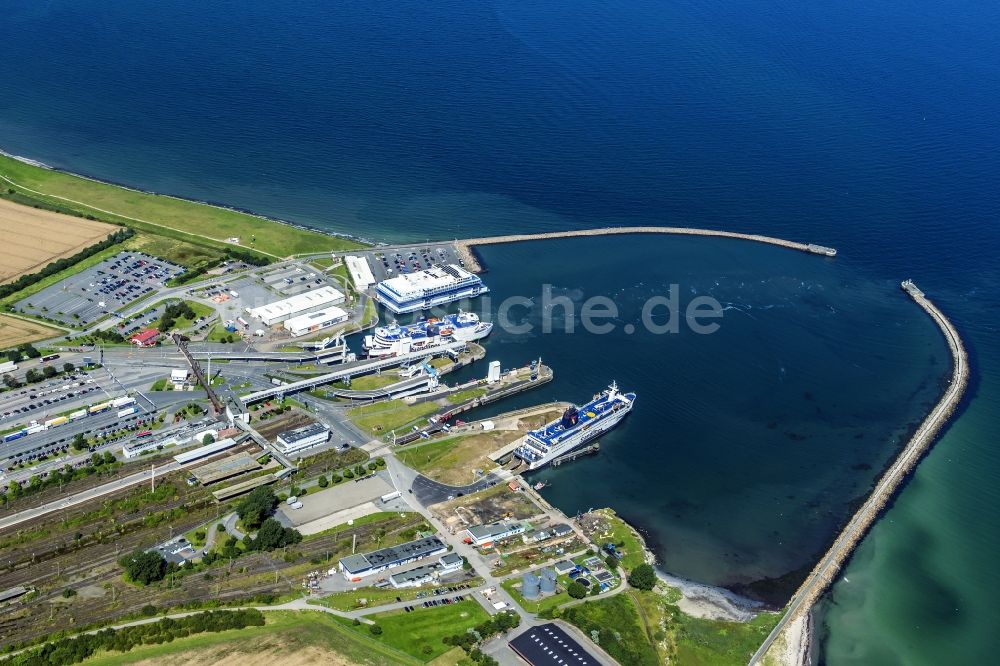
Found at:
[426, 334]
[437, 285]
[577, 426]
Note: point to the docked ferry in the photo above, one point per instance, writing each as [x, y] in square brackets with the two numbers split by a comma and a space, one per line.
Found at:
[577, 426]
[426, 334]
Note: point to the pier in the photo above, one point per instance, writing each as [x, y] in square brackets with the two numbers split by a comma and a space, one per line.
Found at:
[464, 247]
[829, 565]
[577, 453]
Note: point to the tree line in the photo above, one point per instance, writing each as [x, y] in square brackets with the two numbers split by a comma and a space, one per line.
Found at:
[75, 650]
[58, 265]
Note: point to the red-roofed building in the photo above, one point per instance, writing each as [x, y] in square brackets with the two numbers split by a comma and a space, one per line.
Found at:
[145, 338]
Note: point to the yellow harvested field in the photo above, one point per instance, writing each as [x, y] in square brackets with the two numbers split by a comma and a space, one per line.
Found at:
[14, 331]
[34, 238]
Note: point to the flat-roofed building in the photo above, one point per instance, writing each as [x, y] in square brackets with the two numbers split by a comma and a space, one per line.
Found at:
[315, 321]
[361, 271]
[356, 567]
[310, 301]
[305, 437]
[486, 535]
[550, 645]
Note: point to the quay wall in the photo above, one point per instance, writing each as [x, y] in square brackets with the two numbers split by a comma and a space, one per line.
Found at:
[829, 565]
[464, 246]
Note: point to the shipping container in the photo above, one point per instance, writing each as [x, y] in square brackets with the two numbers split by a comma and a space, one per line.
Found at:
[127, 411]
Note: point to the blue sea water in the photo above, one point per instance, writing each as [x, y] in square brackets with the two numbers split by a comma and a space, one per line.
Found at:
[872, 127]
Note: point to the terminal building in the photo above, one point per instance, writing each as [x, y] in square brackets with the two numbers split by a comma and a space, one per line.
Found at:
[310, 301]
[356, 567]
[422, 290]
[486, 535]
[315, 321]
[305, 437]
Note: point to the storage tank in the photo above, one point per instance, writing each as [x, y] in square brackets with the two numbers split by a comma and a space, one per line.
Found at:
[530, 586]
[548, 581]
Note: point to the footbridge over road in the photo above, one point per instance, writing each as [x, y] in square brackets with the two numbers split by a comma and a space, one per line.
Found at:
[153, 355]
[349, 370]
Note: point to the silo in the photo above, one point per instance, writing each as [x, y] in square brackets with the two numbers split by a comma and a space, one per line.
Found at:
[548, 581]
[529, 586]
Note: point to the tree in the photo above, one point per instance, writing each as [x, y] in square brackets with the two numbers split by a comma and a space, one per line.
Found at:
[272, 535]
[10, 381]
[256, 506]
[144, 567]
[29, 351]
[207, 439]
[79, 441]
[323, 482]
[577, 590]
[612, 562]
[49, 371]
[68, 367]
[13, 355]
[643, 577]
[32, 376]
[375, 629]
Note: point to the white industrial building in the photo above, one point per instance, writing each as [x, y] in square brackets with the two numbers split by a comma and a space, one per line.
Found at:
[307, 436]
[493, 375]
[486, 535]
[310, 301]
[178, 377]
[315, 321]
[360, 272]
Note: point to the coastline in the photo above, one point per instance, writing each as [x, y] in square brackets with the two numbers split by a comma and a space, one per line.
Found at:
[221, 206]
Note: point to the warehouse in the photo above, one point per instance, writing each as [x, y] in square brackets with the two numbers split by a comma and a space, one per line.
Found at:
[305, 437]
[355, 567]
[279, 311]
[427, 573]
[315, 321]
[550, 645]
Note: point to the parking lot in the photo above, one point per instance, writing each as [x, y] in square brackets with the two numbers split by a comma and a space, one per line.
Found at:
[387, 263]
[84, 298]
[292, 280]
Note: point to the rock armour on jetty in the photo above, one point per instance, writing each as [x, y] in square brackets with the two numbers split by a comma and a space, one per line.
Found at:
[830, 564]
[464, 247]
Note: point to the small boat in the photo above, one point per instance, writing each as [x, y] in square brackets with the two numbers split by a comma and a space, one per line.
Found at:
[540, 485]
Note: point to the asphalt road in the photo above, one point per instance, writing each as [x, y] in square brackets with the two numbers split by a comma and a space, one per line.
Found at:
[427, 491]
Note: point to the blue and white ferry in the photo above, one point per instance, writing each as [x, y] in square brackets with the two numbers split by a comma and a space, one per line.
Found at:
[426, 334]
[577, 426]
[423, 290]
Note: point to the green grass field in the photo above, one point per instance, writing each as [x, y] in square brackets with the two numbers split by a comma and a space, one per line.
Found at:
[455, 459]
[465, 396]
[163, 215]
[285, 635]
[621, 533]
[381, 417]
[419, 633]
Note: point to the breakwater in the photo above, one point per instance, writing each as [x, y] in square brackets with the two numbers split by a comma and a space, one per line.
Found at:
[830, 564]
[464, 246]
